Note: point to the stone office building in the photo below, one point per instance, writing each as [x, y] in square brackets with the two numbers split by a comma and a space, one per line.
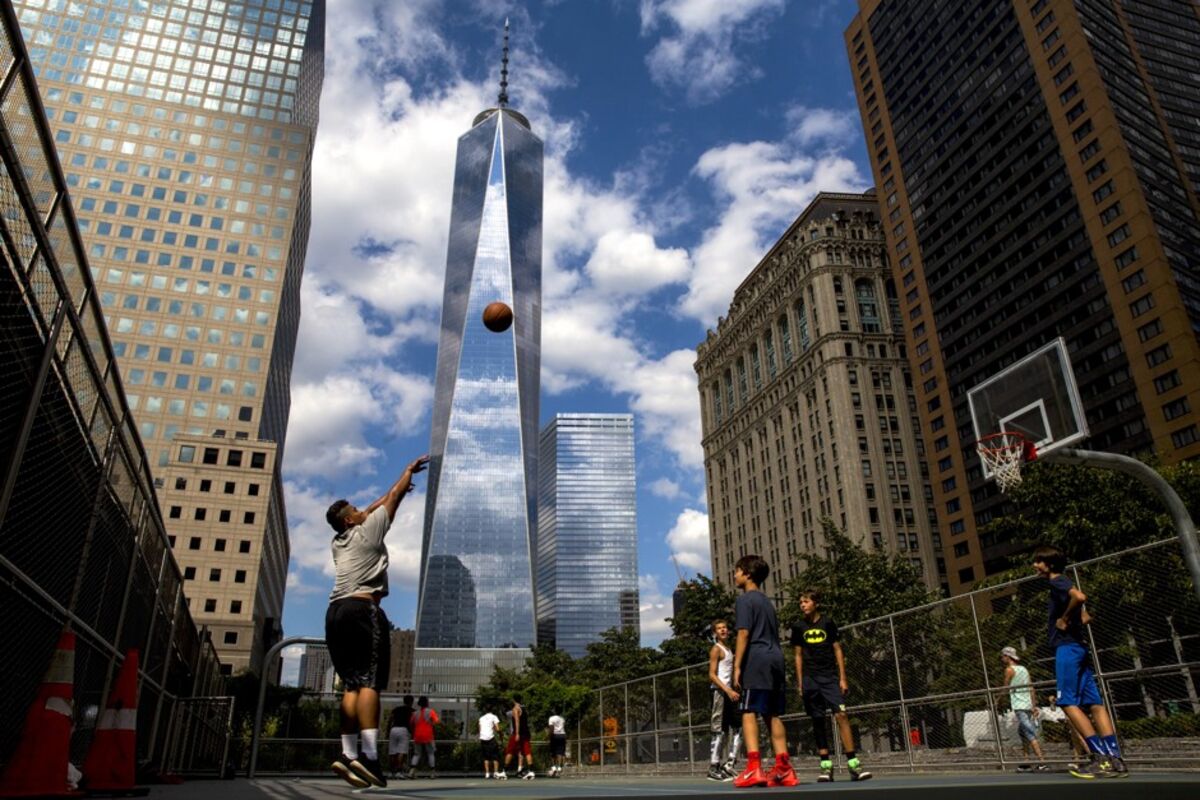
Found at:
[807, 402]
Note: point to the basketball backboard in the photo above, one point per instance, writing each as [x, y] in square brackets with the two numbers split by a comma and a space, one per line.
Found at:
[1036, 397]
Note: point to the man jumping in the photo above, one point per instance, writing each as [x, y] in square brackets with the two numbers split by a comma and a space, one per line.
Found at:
[356, 629]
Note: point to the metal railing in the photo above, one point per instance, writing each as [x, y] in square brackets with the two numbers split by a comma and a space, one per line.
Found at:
[927, 685]
[82, 542]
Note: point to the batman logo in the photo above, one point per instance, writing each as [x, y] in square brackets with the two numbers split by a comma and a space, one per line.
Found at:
[814, 636]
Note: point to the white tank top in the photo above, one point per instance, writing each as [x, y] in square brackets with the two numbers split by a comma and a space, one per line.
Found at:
[725, 665]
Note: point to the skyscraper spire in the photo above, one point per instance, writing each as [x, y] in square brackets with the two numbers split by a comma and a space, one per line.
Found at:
[502, 100]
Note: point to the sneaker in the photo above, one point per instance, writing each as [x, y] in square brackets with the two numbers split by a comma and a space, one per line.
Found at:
[826, 773]
[369, 770]
[1093, 768]
[857, 773]
[750, 777]
[412, 773]
[715, 773]
[730, 771]
[1024, 768]
[501, 776]
[528, 776]
[1119, 770]
[341, 766]
[1043, 767]
[782, 776]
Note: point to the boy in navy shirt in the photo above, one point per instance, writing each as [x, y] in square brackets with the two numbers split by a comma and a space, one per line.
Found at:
[1075, 681]
[758, 675]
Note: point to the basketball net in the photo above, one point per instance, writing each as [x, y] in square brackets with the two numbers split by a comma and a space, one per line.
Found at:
[1003, 454]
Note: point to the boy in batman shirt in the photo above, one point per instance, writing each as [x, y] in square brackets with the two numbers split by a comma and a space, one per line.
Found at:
[821, 673]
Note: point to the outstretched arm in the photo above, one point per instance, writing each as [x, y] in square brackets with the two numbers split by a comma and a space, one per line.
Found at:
[391, 500]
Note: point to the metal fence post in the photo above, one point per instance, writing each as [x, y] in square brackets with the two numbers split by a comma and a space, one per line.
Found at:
[1101, 680]
[987, 684]
[1188, 683]
[904, 722]
[654, 700]
[687, 687]
[628, 739]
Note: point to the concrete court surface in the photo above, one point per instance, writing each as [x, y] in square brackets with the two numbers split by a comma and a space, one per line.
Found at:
[972, 786]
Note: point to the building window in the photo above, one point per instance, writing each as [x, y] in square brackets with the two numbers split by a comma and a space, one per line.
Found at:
[206, 485]
[1167, 381]
[230, 487]
[225, 515]
[1158, 355]
[234, 459]
[239, 576]
[214, 574]
[248, 518]
[252, 490]
[210, 455]
[176, 512]
[171, 541]
[966, 575]
[180, 484]
[244, 546]
[1127, 257]
[219, 545]
[210, 605]
[1150, 330]
[235, 606]
[194, 543]
[201, 513]
[1176, 409]
[231, 637]
[1134, 281]
[1141, 305]
[1184, 436]
[189, 573]
[868, 307]
[187, 453]
[258, 460]
[962, 549]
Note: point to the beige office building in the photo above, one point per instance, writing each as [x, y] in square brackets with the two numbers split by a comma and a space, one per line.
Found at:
[400, 677]
[185, 130]
[807, 403]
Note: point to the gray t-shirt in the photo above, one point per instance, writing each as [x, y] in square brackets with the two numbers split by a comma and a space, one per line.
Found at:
[762, 665]
[360, 557]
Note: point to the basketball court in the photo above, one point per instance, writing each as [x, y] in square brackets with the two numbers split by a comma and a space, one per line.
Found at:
[979, 786]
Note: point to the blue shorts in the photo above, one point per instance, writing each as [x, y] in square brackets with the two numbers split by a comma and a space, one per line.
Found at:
[1075, 680]
[1026, 727]
[768, 702]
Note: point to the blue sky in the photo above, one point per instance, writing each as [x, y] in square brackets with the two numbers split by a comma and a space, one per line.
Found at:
[682, 137]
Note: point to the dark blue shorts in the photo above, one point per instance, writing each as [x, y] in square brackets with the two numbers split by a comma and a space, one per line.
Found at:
[1076, 683]
[768, 702]
[822, 695]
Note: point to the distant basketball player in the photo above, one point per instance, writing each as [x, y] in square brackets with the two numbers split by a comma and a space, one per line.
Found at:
[356, 629]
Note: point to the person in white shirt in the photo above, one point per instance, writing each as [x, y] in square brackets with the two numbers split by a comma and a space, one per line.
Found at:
[488, 725]
[558, 743]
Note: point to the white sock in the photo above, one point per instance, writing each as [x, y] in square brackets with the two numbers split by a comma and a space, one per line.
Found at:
[350, 745]
[370, 742]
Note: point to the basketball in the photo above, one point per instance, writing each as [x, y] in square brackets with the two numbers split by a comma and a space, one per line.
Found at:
[497, 317]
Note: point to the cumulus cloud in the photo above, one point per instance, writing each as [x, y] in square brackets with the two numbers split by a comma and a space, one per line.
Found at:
[698, 54]
[688, 540]
[629, 262]
[655, 608]
[831, 126]
[666, 489]
[761, 187]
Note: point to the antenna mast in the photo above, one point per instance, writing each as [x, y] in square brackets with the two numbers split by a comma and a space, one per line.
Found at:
[502, 100]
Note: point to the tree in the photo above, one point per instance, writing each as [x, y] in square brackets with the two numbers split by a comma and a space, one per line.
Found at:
[703, 600]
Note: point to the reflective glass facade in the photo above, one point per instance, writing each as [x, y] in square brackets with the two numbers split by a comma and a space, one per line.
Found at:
[477, 582]
[185, 131]
[587, 530]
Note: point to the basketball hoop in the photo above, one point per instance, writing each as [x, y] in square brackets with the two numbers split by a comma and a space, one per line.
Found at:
[1003, 454]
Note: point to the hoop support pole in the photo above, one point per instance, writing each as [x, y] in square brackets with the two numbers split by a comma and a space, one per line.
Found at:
[1185, 527]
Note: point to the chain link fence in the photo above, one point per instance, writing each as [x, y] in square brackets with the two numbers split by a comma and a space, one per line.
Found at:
[927, 688]
[82, 542]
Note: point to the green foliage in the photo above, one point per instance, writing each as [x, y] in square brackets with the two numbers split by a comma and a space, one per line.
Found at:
[855, 584]
[703, 600]
[1088, 512]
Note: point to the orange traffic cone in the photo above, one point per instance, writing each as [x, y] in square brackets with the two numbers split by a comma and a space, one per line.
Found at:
[39, 765]
[112, 759]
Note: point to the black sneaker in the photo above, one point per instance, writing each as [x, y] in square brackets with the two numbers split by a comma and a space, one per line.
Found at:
[1093, 768]
[715, 773]
[341, 766]
[1116, 768]
[370, 770]
[826, 773]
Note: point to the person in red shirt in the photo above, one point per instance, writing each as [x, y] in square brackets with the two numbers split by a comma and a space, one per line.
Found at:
[423, 720]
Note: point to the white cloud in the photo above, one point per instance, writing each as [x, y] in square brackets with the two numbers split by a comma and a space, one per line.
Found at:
[666, 489]
[762, 187]
[655, 607]
[830, 125]
[689, 542]
[629, 262]
[698, 54]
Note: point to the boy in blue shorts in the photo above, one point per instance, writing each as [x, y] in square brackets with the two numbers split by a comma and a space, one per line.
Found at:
[1075, 681]
[758, 675]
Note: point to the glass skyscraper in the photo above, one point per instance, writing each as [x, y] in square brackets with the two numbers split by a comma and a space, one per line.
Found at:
[476, 596]
[587, 530]
[185, 129]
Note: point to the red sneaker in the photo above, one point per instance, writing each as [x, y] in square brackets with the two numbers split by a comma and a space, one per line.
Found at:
[751, 777]
[783, 776]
